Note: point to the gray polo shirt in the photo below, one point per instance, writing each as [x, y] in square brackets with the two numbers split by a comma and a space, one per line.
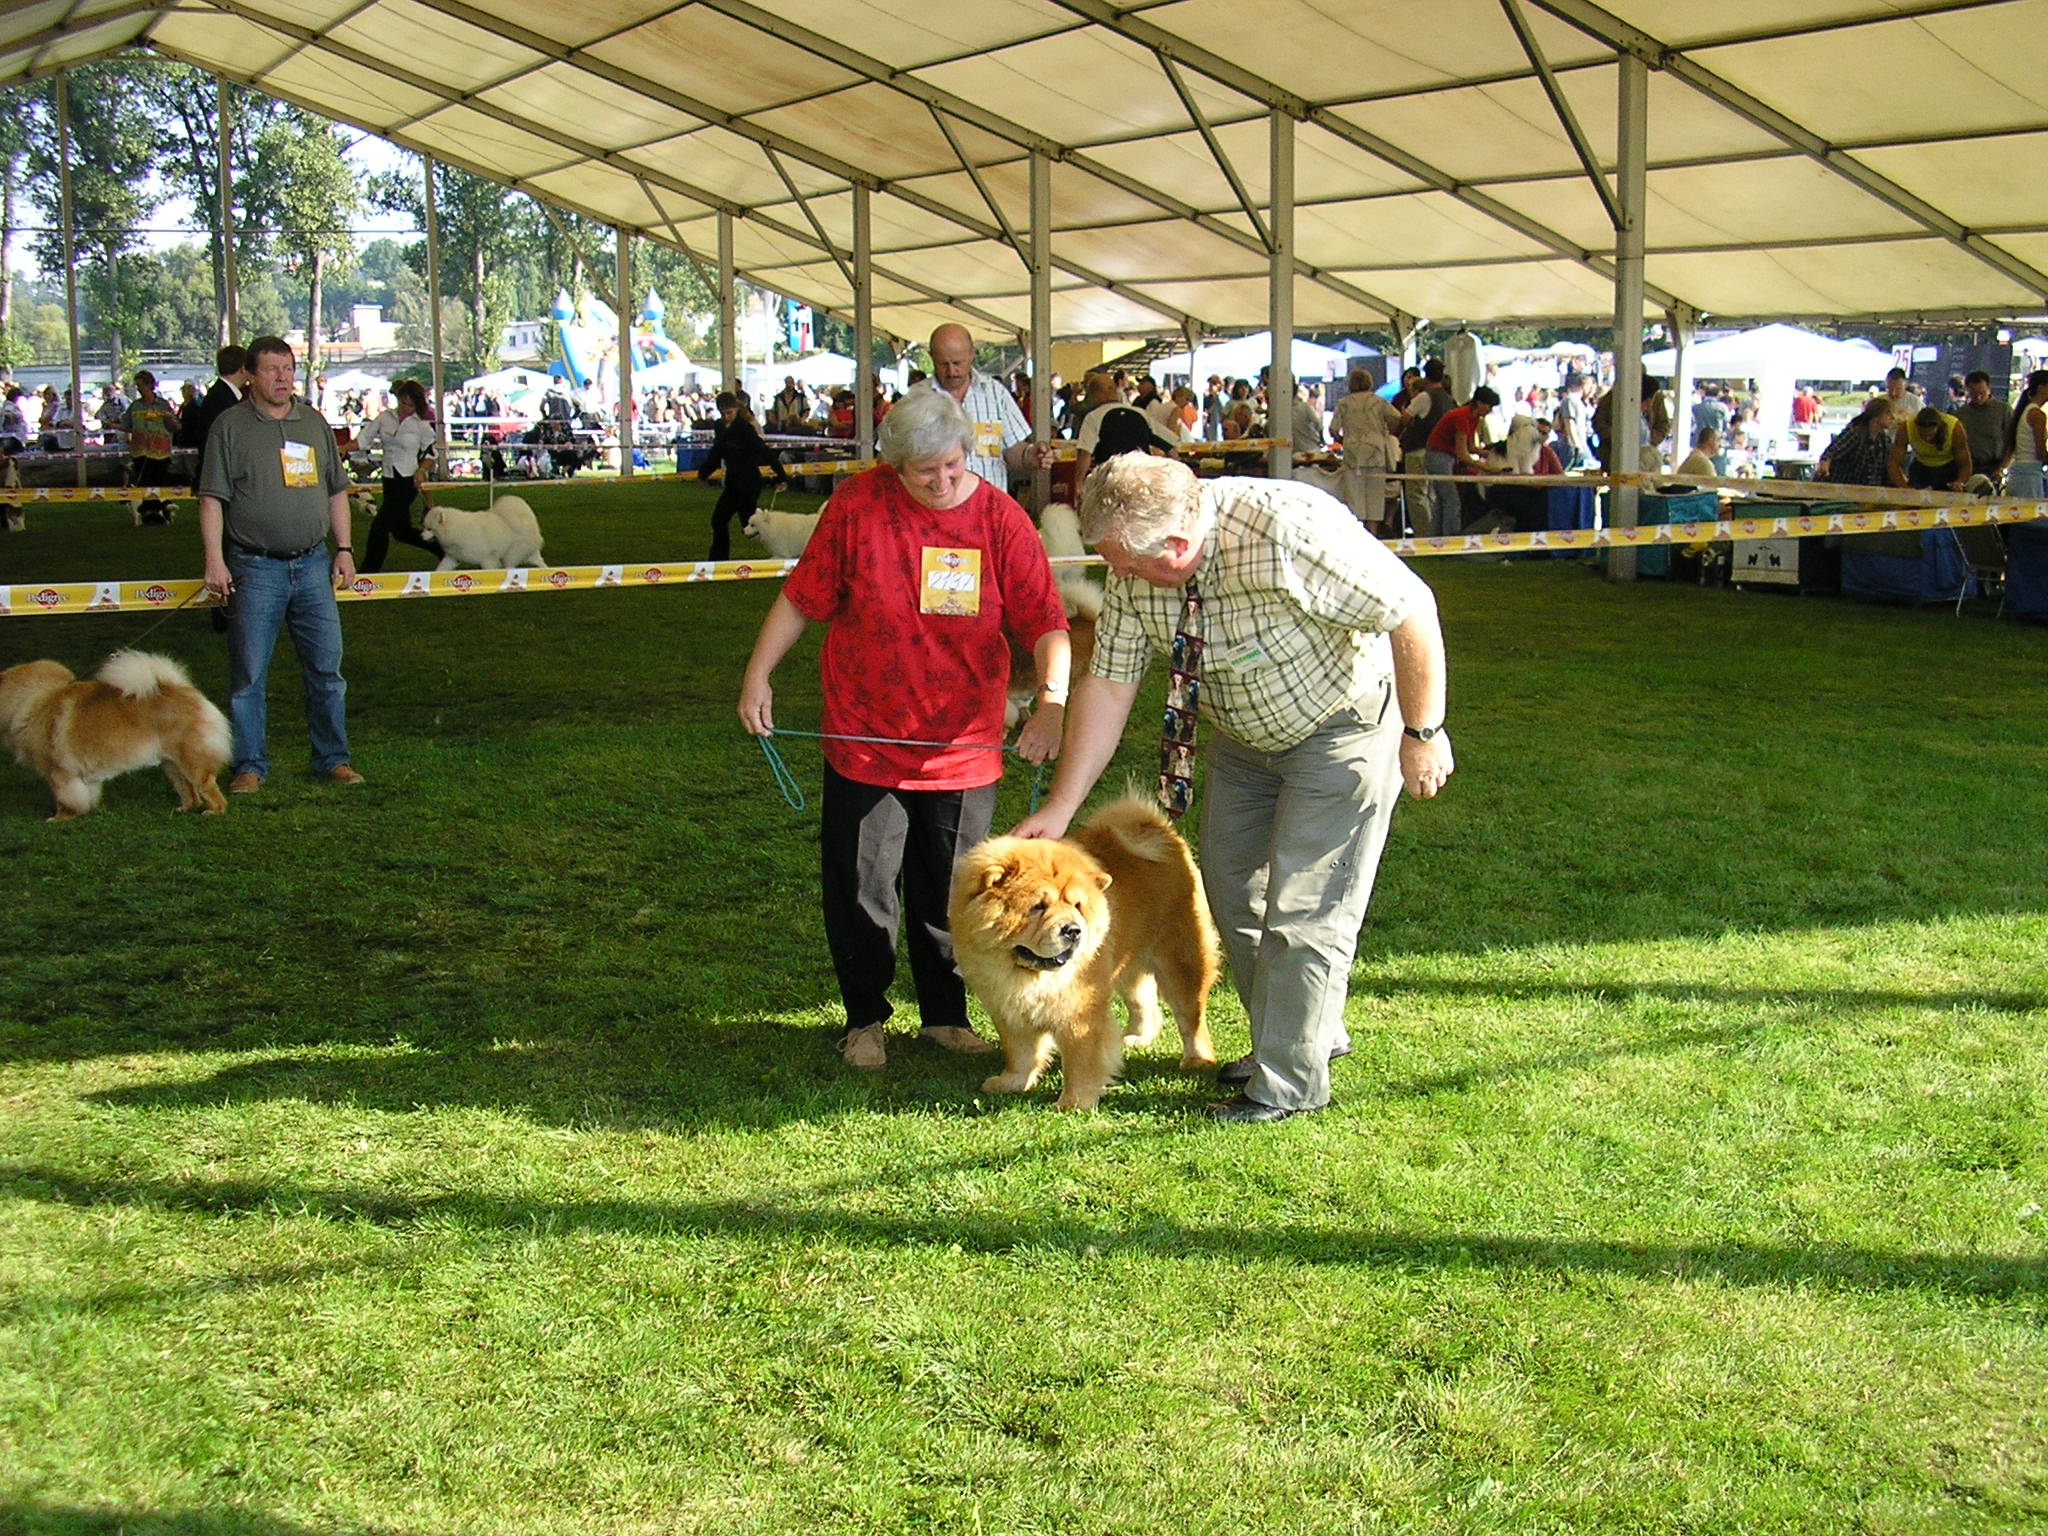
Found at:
[274, 479]
[1984, 429]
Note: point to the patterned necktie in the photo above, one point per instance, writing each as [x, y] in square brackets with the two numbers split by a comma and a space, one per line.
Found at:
[1183, 696]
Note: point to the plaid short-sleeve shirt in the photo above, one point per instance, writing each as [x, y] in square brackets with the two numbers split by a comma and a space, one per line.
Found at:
[1297, 599]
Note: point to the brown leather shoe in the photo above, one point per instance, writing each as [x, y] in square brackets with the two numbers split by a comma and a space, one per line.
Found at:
[863, 1048]
[343, 775]
[963, 1042]
[245, 783]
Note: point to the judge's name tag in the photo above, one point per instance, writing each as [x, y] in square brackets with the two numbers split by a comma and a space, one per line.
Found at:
[952, 582]
[988, 439]
[299, 469]
[1245, 656]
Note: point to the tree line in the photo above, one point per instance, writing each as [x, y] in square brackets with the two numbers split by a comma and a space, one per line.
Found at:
[145, 136]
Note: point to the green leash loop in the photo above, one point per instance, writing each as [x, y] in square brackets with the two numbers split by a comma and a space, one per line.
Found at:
[792, 792]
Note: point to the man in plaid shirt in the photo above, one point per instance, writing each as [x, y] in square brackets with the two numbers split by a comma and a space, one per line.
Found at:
[1321, 698]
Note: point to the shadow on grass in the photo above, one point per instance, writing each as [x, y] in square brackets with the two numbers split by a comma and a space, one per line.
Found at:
[748, 1076]
[23, 1518]
[489, 1218]
[1820, 1002]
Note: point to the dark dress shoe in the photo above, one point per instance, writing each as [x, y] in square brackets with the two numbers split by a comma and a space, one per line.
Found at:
[1243, 1111]
[1232, 1073]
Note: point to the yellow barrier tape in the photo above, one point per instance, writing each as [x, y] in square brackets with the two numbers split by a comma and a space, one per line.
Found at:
[1062, 452]
[23, 493]
[134, 596]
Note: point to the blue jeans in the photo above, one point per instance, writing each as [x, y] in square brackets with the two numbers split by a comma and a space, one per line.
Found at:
[1446, 518]
[278, 594]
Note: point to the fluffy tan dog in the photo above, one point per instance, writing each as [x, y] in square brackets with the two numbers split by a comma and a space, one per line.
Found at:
[1047, 931]
[139, 711]
[504, 534]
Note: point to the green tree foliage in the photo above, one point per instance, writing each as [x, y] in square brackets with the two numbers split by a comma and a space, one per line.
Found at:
[479, 228]
[307, 194]
[187, 103]
[114, 142]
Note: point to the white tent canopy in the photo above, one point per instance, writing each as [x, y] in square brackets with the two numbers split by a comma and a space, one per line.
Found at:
[1242, 357]
[1777, 349]
[1859, 157]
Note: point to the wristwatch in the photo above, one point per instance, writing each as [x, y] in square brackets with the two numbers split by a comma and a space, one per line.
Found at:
[1421, 732]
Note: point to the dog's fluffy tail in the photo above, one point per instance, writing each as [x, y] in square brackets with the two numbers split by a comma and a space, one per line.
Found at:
[1140, 826]
[141, 675]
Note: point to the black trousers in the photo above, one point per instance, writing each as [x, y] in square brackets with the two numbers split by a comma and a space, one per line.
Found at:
[869, 838]
[737, 498]
[394, 521]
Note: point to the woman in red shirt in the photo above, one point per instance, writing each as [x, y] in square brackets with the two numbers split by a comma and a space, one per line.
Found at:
[922, 573]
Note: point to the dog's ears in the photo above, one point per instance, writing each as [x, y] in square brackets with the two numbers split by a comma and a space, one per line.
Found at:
[1102, 881]
[994, 873]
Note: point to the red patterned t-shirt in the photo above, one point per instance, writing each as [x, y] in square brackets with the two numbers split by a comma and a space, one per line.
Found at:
[921, 606]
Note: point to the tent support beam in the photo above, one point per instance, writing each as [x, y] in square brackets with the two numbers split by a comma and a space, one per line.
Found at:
[785, 32]
[988, 197]
[1625, 421]
[1630, 42]
[612, 160]
[1041, 322]
[1218, 68]
[728, 326]
[863, 325]
[1280, 381]
[63, 90]
[623, 313]
[230, 320]
[434, 307]
[810, 216]
[1682, 322]
[1195, 115]
[1566, 118]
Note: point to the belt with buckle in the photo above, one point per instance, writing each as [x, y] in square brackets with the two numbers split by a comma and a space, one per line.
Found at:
[272, 554]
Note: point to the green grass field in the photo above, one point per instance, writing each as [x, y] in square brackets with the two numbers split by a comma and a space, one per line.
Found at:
[467, 1153]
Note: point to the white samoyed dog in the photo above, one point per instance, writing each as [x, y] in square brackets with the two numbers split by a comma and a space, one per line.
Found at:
[785, 533]
[504, 534]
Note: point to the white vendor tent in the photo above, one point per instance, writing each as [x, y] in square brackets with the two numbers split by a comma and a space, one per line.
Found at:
[1777, 357]
[1776, 349]
[1242, 357]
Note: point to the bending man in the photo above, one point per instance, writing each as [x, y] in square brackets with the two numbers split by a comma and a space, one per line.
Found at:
[1321, 693]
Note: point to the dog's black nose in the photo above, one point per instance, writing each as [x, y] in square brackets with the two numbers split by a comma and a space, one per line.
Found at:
[1070, 932]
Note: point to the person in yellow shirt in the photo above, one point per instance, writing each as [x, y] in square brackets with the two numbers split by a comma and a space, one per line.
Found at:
[1940, 453]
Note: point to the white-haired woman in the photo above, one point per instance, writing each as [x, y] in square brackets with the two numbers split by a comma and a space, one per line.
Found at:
[922, 573]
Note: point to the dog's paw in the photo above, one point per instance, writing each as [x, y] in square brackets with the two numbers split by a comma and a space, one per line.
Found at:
[1004, 1082]
[1197, 1061]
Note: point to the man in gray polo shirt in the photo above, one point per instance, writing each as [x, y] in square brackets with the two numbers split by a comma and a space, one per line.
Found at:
[273, 489]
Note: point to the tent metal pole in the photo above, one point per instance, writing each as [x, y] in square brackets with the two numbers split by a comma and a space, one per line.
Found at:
[1280, 381]
[1683, 320]
[863, 325]
[231, 319]
[1631, 187]
[728, 351]
[1041, 319]
[63, 89]
[434, 311]
[624, 286]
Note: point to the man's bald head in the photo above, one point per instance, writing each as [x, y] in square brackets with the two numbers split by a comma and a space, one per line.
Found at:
[953, 359]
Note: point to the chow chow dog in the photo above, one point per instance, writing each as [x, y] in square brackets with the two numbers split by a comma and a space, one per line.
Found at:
[504, 534]
[1046, 931]
[139, 711]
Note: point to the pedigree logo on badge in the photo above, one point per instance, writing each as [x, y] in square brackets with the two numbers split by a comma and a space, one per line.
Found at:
[952, 582]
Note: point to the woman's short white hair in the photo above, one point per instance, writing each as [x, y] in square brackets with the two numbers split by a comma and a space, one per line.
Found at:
[1141, 501]
[922, 427]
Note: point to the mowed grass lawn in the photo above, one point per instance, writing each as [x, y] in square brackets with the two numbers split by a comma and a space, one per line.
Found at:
[467, 1153]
